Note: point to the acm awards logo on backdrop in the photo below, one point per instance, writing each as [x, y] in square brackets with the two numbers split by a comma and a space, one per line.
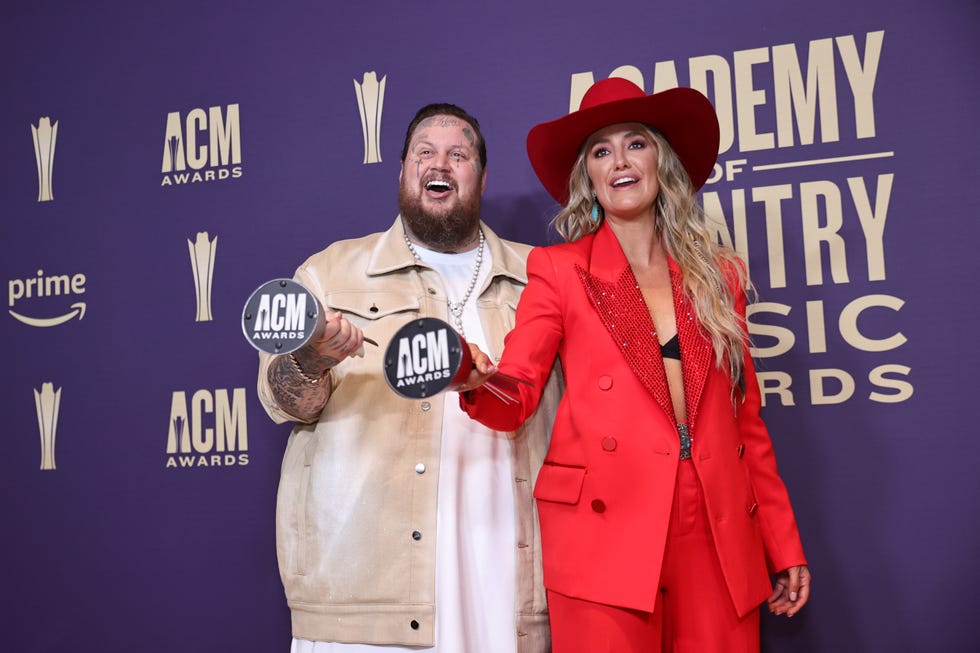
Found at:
[209, 429]
[45, 137]
[804, 104]
[370, 102]
[203, 145]
[47, 400]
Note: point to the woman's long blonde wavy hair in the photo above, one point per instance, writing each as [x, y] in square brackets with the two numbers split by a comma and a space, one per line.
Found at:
[681, 222]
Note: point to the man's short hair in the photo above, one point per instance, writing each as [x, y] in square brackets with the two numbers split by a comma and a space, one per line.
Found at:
[444, 109]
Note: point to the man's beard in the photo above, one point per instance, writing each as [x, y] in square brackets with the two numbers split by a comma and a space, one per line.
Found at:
[446, 231]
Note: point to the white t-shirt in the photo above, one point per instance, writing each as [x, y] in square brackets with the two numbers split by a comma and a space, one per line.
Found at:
[475, 540]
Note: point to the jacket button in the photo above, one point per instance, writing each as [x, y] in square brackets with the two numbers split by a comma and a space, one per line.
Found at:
[420, 468]
[609, 444]
[605, 382]
[754, 508]
[414, 624]
[741, 450]
[416, 535]
[598, 505]
[425, 406]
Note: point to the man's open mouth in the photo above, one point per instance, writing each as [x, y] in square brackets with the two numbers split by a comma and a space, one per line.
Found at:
[438, 186]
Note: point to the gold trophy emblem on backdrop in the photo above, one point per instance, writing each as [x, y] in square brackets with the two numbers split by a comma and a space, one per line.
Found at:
[202, 253]
[45, 136]
[370, 101]
[47, 401]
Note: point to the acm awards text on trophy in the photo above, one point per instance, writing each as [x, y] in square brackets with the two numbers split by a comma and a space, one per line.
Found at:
[281, 316]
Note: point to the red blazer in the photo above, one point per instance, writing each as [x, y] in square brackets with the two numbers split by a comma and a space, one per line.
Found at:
[607, 484]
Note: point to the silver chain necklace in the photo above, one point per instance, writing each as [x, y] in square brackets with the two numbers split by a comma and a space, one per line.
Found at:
[456, 308]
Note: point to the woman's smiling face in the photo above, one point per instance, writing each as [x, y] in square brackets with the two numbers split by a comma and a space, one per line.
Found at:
[621, 161]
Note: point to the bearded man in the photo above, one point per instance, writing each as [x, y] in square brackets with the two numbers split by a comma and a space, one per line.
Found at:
[401, 523]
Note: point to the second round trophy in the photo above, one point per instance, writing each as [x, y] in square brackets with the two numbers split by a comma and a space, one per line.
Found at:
[428, 356]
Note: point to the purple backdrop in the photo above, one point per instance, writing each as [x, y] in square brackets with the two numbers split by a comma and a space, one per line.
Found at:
[139, 469]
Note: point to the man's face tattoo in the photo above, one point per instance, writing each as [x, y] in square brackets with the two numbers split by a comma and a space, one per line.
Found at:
[441, 187]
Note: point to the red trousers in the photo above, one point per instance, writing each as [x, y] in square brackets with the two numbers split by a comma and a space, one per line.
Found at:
[694, 612]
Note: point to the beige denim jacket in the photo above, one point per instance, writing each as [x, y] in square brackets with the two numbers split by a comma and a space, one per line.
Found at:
[357, 483]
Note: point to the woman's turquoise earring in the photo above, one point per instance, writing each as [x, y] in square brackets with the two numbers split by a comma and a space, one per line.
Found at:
[595, 209]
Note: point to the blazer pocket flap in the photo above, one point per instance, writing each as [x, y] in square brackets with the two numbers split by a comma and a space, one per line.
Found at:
[371, 305]
[559, 483]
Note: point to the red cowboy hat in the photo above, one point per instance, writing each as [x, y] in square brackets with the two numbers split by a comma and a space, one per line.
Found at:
[684, 116]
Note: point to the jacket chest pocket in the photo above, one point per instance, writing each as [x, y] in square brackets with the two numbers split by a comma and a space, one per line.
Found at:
[369, 306]
[497, 318]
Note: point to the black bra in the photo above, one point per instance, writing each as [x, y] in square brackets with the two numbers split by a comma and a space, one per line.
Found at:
[671, 348]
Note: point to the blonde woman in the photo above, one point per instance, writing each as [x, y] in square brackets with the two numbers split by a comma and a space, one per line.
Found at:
[662, 512]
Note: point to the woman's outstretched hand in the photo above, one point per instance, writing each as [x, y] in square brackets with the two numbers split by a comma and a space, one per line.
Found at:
[483, 369]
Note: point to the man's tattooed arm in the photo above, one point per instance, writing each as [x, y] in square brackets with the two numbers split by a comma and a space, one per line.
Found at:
[295, 392]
